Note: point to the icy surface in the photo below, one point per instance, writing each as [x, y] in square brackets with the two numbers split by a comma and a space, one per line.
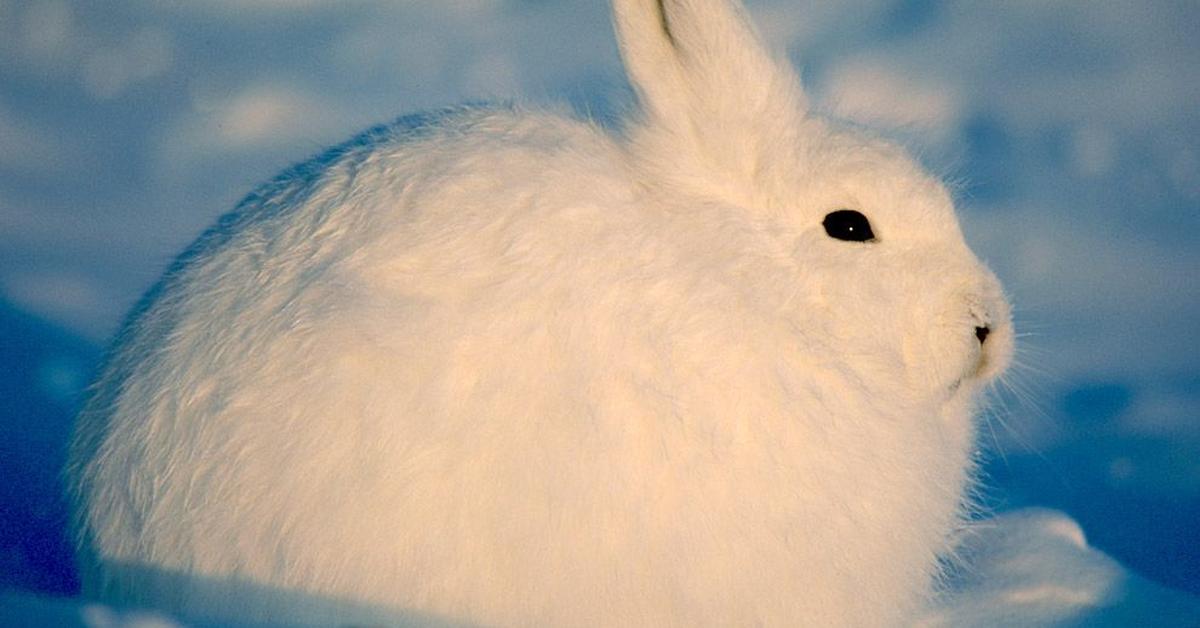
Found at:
[1031, 567]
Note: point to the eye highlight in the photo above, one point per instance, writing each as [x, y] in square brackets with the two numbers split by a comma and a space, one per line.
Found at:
[849, 225]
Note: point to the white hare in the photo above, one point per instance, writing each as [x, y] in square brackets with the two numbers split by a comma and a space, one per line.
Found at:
[502, 367]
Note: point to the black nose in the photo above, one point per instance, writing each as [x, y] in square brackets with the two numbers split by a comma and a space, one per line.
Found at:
[982, 333]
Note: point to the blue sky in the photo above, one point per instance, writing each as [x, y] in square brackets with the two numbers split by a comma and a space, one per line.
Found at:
[1069, 130]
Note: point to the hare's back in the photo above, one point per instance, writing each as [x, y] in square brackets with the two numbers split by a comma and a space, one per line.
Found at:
[359, 337]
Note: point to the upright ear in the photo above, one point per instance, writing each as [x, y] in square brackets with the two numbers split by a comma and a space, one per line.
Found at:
[703, 77]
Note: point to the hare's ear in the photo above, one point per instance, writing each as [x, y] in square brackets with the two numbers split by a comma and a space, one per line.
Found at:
[703, 76]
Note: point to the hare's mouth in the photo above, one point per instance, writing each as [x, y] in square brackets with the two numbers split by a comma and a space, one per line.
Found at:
[971, 379]
[965, 387]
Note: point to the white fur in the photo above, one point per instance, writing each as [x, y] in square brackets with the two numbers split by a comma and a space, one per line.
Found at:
[503, 367]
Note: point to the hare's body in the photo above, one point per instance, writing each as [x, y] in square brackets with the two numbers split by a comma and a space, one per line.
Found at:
[501, 367]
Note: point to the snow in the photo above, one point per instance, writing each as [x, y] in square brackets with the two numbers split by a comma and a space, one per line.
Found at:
[1031, 567]
[18, 609]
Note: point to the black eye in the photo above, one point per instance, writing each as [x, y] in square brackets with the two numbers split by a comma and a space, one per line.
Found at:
[847, 224]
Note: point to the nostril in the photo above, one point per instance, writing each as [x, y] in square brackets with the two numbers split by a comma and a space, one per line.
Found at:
[982, 333]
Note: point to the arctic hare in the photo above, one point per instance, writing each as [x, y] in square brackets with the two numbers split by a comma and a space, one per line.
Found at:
[503, 367]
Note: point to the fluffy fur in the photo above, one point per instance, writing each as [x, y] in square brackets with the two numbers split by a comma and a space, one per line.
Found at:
[503, 367]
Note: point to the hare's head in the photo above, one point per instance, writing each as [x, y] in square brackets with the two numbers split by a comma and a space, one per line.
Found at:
[889, 285]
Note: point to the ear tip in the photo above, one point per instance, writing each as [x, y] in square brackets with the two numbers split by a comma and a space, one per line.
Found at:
[680, 55]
